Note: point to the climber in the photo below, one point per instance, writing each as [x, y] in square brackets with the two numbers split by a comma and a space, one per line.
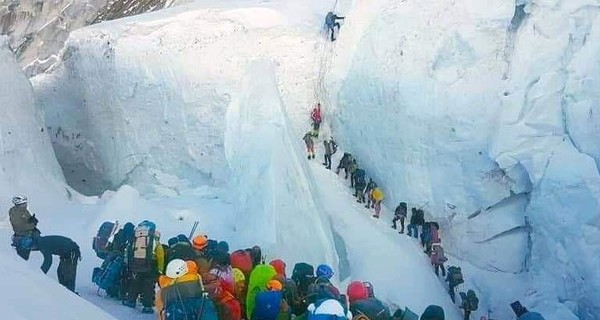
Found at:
[315, 116]
[523, 314]
[345, 163]
[181, 293]
[330, 149]
[328, 309]
[310, 145]
[69, 254]
[433, 312]
[200, 245]
[145, 258]
[437, 259]
[400, 214]
[322, 288]
[378, 196]
[370, 186]
[426, 237]
[359, 185]
[469, 303]
[353, 167]
[364, 304]
[24, 227]
[180, 248]
[270, 304]
[330, 21]
[114, 259]
[454, 278]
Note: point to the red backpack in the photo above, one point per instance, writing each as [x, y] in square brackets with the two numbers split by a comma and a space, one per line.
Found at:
[242, 260]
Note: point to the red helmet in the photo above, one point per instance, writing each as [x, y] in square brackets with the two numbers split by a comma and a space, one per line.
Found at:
[357, 291]
[279, 266]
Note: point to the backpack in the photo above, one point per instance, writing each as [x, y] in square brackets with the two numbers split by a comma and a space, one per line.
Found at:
[426, 232]
[455, 276]
[258, 283]
[313, 316]
[181, 251]
[186, 300]
[472, 300]
[322, 289]
[100, 242]
[108, 276]
[268, 305]
[371, 309]
[303, 276]
[242, 260]
[142, 249]
[407, 314]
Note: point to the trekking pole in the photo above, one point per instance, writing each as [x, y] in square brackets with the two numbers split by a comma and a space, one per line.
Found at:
[193, 230]
[204, 297]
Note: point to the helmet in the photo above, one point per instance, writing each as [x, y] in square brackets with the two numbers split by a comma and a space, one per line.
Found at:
[279, 266]
[357, 291]
[238, 275]
[200, 242]
[17, 200]
[324, 271]
[192, 266]
[274, 285]
[176, 269]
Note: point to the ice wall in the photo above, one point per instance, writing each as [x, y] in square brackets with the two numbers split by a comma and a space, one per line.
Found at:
[272, 185]
[142, 101]
[27, 161]
[483, 113]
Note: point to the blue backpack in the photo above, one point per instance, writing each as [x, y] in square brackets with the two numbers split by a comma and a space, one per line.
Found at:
[267, 305]
[312, 316]
[108, 276]
[192, 309]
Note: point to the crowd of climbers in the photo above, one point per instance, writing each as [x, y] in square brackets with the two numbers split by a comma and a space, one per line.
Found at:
[202, 279]
[428, 232]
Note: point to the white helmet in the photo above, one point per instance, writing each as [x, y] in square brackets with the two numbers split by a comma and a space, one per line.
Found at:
[19, 200]
[177, 268]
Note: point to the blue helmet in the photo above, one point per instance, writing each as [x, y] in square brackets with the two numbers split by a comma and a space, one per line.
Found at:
[324, 271]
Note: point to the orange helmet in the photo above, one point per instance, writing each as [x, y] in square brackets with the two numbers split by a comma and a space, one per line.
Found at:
[200, 242]
[192, 266]
[274, 285]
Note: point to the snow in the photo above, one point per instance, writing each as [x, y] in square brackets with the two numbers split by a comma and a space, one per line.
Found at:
[33, 295]
[274, 189]
[483, 116]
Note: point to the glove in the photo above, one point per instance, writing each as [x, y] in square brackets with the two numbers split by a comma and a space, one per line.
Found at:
[33, 219]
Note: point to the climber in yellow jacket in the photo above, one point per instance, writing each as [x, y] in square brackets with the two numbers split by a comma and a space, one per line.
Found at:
[378, 197]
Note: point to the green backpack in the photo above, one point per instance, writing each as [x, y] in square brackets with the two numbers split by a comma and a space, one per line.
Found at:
[259, 277]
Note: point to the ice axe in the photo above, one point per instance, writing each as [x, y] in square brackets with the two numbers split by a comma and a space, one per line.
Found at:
[193, 230]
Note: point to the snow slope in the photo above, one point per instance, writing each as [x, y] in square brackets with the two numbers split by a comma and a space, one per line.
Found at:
[34, 296]
[274, 190]
[482, 112]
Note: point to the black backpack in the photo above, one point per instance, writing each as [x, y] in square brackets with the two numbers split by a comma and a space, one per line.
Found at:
[303, 275]
[101, 240]
[472, 300]
[455, 276]
[322, 289]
